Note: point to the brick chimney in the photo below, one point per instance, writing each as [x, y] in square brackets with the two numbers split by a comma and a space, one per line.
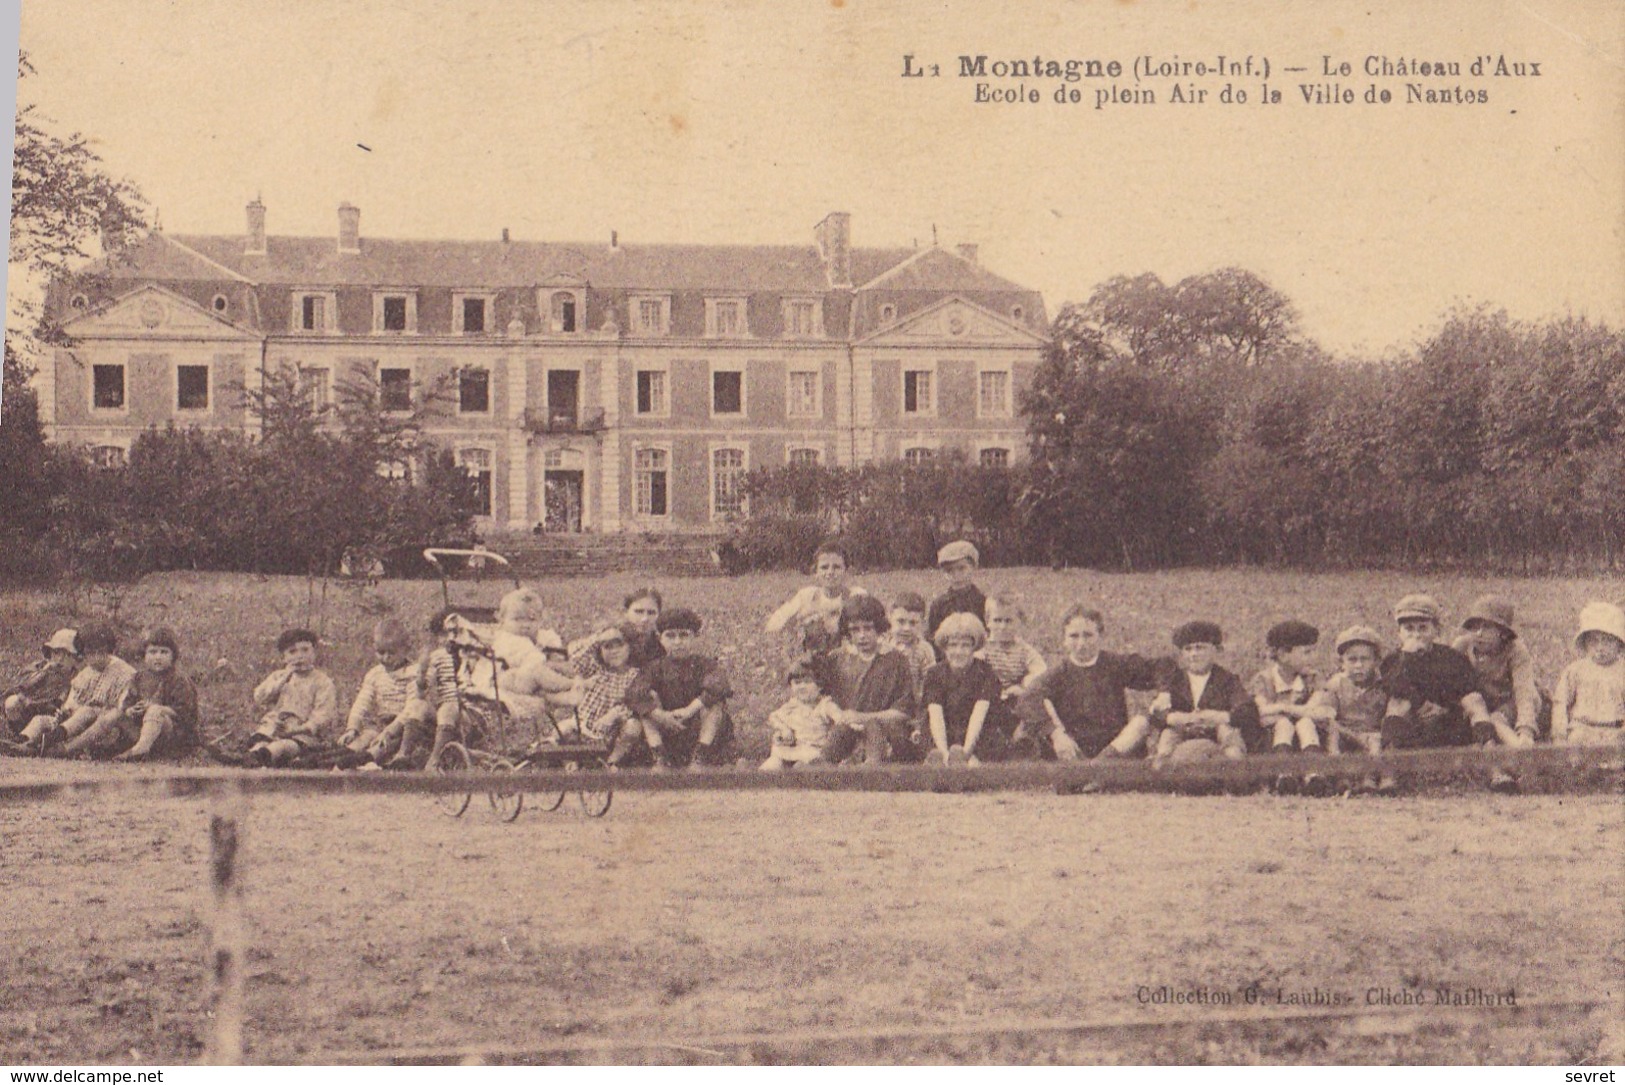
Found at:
[349, 227]
[834, 236]
[255, 244]
[966, 251]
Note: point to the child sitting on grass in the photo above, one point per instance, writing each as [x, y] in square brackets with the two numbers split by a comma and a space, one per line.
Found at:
[1588, 706]
[1016, 663]
[812, 615]
[42, 688]
[1506, 674]
[158, 716]
[959, 692]
[1202, 708]
[301, 700]
[1284, 695]
[431, 717]
[1352, 702]
[96, 691]
[385, 692]
[801, 725]
[907, 617]
[604, 662]
[682, 700]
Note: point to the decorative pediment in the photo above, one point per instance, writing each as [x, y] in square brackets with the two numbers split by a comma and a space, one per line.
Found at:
[954, 322]
[564, 280]
[152, 312]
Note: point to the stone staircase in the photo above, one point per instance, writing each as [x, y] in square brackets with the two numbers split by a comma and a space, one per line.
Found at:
[544, 556]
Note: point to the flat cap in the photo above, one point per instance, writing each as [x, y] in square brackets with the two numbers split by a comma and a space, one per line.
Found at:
[1417, 605]
[1198, 633]
[1291, 634]
[959, 550]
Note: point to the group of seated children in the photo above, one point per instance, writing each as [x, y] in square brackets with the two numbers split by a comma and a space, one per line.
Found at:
[82, 699]
[866, 685]
[948, 683]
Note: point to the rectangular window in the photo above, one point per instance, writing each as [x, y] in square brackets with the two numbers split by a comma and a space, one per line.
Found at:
[473, 390]
[917, 457]
[801, 400]
[995, 457]
[395, 389]
[473, 316]
[563, 305]
[394, 313]
[109, 457]
[192, 387]
[649, 316]
[563, 396]
[651, 391]
[649, 470]
[917, 392]
[317, 384]
[727, 392]
[477, 463]
[803, 457]
[725, 318]
[108, 391]
[313, 313]
[993, 394]
[801, 319]
[727, 482]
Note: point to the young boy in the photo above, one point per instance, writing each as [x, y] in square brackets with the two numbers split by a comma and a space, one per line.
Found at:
[959, 693]
[873, 689]
[159, 716]
[1016, 663]
[1352, 701]
[385, 692]
[1284, 691]
[301, 700]
[682, 699]
[801, 725]
[40, 691]
[813, 614]
[96, 691]
[1080, 708]
[1588, 707]
[958, 561]
[1201, 700]
[1506, 673]
[1433, 694]
[431, 717]
[907, 617]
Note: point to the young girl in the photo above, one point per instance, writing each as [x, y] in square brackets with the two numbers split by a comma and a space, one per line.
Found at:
[958, 694]
[802, 724]
[1588, 707]
[604, 661]
[1506, 673]
[41, 689]
[813, 614]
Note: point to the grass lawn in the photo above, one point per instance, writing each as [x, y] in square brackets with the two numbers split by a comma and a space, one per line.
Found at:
[378, 924]
[236, 618]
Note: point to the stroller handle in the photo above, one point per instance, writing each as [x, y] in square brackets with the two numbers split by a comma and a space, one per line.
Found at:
[434, 553]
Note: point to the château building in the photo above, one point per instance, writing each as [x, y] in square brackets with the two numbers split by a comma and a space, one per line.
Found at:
[593, 388]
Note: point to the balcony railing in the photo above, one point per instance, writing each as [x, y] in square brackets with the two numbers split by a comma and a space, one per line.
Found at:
[536, 420]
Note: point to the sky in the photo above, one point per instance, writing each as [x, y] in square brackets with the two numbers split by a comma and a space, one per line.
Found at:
[730, 121]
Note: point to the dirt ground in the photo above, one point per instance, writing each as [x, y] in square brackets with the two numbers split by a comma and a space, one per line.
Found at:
[378, 924]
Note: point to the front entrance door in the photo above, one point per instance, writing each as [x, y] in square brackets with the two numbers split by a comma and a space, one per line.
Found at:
[561, 499]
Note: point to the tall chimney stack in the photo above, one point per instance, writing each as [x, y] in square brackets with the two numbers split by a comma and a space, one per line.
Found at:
[349, 227]
[834, 236]
[255, 243]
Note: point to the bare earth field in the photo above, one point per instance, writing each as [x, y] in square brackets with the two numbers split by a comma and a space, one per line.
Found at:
[378, 925]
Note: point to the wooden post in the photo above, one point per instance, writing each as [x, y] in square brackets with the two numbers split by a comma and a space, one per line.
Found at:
[225, 1045]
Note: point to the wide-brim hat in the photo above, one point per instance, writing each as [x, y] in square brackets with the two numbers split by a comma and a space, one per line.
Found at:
[64, 640]
[1601, 618]
[1493, 609]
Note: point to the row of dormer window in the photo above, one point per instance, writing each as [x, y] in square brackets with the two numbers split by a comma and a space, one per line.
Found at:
[395, 313]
